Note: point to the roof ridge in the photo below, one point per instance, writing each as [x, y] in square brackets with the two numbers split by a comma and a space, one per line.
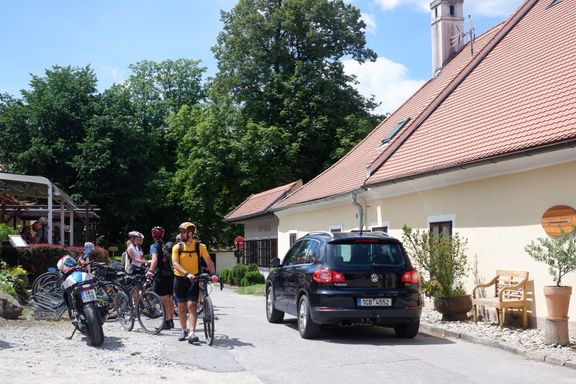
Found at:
[454, 83]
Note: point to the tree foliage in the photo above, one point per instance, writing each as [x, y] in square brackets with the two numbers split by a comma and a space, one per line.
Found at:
[558, 252]
[39, 134]
[166, 146]
[281, 61]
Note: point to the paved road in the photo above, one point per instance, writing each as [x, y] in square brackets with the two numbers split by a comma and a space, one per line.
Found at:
[275, 353]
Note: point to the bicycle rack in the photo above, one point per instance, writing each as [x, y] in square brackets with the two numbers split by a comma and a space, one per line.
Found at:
[48, 305]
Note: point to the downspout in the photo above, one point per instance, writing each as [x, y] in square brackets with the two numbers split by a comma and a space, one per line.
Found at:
[360, 212]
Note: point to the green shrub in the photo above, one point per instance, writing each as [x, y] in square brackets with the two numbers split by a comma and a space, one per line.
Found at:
[6, 230]
[225, 276]
[242, 275]
[12, 283]
[237, 273]
[254, 277]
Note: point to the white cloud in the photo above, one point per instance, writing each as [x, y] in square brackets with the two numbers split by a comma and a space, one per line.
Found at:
[492, 8]
[371, 25]
[386, 80]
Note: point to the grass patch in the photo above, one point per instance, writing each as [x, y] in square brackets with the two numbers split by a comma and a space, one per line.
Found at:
[257, 289]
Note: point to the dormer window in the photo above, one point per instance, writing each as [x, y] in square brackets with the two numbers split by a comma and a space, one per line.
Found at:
[395, 129]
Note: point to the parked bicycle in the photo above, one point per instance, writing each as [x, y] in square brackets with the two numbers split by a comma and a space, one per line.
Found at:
[141, 303]
[205, 307]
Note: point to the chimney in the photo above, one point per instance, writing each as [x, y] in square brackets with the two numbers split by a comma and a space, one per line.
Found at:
[447, 31]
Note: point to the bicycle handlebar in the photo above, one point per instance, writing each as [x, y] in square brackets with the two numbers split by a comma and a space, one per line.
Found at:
[206, 277]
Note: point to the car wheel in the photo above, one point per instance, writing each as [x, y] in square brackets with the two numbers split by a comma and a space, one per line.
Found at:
[272, 314]
[306, 327]
[407, 331]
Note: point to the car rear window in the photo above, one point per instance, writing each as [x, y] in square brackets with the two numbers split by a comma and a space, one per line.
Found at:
[365, 254]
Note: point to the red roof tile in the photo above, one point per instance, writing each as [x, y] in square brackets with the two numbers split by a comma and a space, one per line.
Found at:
[259, 204]
[520, 97]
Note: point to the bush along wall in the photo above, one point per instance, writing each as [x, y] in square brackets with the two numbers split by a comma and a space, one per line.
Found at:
[242, 275]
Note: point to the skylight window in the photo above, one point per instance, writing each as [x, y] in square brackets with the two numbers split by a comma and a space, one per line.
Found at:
[395, 129]
[554, 2]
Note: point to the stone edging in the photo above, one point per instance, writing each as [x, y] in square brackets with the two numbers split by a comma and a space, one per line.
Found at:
[432, 330]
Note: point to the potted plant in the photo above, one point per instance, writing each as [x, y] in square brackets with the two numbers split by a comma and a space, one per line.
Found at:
[443, 264]
[559, 253]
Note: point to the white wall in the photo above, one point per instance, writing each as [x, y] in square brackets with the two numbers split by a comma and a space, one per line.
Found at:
[261, 228]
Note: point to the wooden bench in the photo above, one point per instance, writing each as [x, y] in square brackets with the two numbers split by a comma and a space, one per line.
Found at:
[510, 291]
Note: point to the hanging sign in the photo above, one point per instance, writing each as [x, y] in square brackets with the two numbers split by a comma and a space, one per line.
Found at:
[559, 218]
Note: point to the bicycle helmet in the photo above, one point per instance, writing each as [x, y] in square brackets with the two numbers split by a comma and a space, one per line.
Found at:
[133, 234]
[89, 244]
[157, 232]
[187, 226]
[66, 263]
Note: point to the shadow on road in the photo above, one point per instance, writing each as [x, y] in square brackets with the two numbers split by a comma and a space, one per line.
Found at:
[225, 342]
[367, 335]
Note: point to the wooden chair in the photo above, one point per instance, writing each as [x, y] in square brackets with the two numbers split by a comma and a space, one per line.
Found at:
[510, 291]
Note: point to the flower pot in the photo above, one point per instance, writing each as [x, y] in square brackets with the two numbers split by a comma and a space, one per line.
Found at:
[453, 308]
[557, 302]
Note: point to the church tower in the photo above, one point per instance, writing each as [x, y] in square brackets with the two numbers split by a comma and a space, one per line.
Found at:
[447, 31]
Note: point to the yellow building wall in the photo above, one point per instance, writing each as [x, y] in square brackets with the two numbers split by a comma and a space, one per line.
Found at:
[499, 216]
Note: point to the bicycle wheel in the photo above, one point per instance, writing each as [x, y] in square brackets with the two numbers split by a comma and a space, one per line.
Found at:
[125, 310]
[107, 293]
[150, 312]
[208, 319]
[42, 280]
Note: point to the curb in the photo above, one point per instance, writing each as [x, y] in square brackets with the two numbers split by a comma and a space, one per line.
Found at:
[435, 331]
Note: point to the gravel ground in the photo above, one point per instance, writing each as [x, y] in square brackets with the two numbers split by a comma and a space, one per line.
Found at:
[38, 349]
[529, 342]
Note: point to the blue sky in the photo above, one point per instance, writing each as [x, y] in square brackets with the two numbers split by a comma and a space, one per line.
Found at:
[112, 34]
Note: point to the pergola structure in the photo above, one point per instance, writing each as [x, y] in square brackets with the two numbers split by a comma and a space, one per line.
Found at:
[14, 187]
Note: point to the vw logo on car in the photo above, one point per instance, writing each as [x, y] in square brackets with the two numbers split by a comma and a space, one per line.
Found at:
[374, 278]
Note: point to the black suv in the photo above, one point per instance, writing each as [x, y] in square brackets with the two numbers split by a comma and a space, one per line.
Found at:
[345, 279]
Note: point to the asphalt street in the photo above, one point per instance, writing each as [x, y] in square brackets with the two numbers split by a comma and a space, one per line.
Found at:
[275, 353]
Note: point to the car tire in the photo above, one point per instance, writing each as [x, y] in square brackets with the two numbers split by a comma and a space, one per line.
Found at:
[272, 314]
[407, 331]
[307, 328]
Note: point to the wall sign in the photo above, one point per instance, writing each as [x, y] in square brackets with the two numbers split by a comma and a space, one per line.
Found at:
[559, 218]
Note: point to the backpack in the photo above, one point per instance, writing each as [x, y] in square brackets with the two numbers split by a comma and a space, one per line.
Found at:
[164, 260]
[201, 263]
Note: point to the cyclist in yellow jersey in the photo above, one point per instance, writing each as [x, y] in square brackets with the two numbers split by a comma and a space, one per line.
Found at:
[186, 264]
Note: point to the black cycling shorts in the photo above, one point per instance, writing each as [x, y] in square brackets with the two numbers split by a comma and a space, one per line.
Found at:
[163, 285]
[185, 290]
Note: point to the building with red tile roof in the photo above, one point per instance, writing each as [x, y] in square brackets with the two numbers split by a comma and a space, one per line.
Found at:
[485, 148]
[260, 224]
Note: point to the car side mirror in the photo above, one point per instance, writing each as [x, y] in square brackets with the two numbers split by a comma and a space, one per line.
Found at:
[275, 263]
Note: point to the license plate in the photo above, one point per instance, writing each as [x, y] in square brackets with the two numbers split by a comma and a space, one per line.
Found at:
[378, 302]
[88, 295]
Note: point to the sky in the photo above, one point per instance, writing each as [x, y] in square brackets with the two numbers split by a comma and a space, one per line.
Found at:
[109, 35]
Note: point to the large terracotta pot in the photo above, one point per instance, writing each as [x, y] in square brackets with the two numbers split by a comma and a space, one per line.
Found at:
[557, 302]
[453, 308]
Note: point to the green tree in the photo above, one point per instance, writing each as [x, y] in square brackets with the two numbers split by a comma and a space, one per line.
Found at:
[281, 61]
[40, 133]
[210, 165]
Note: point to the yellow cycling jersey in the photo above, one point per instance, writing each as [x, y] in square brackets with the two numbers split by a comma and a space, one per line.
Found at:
[188, 258]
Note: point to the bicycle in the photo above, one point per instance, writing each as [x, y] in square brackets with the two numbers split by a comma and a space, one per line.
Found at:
[141, 303]
[205, 307]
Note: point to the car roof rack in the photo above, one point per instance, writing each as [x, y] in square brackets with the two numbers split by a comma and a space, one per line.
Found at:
[320, 233]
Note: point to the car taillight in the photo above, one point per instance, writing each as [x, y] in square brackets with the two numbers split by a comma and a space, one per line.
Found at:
[411, 277]
[326, 276]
